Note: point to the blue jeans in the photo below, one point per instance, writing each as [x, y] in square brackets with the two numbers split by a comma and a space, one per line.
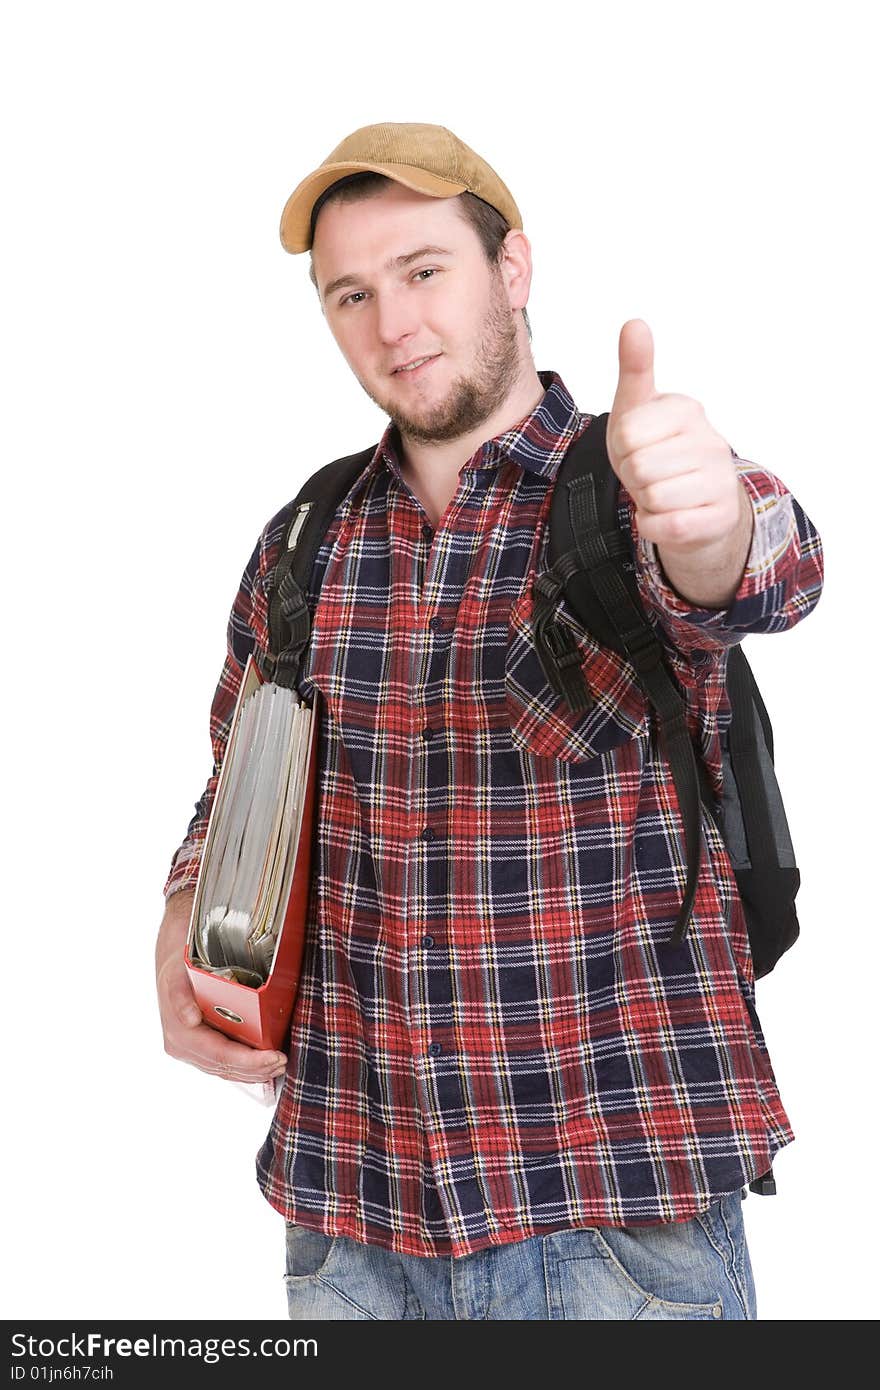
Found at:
[684, 1269]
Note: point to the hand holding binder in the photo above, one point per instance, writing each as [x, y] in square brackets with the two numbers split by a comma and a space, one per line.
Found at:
[187, 1036]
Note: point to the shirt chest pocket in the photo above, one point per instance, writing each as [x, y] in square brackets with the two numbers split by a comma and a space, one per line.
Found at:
[541, 721]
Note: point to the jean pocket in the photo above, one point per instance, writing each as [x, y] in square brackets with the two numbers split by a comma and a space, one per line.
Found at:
[618, 1278]
[541, 721]
[653, 1307]
[308, 1252]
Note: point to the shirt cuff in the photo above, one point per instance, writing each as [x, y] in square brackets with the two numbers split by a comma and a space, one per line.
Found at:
[184, 868]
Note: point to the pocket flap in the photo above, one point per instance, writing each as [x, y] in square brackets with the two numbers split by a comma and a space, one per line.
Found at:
[541, 721]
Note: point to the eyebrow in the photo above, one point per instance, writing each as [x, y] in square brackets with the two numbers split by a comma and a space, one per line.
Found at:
[394, 263]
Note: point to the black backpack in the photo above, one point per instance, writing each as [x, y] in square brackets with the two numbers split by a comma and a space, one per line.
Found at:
[590, 561]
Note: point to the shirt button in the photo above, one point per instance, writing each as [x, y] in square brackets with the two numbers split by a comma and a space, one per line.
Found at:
[436, 623]
[428, 833]
[427, 941]
[427, 531]
[435, 1049]
[428, 732]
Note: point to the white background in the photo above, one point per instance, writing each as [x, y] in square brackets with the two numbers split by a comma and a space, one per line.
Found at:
[169, 382]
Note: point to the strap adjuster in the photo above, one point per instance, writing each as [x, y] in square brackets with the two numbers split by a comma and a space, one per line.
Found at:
[548, 585]
[561, 644]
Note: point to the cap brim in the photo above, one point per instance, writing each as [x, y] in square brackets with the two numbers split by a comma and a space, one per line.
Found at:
[297, 215]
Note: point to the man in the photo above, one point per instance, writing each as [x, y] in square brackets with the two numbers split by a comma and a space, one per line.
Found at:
[507, 1096]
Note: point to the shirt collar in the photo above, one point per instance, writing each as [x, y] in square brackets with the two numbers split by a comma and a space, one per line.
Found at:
[536, 443]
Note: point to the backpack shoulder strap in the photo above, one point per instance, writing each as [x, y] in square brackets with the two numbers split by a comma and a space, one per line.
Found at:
[591, 561]
[312, 512]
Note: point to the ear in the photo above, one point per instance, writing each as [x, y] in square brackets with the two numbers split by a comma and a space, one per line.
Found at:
[516, 267]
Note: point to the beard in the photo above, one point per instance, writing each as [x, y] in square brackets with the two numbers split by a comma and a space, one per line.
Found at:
[471, 398]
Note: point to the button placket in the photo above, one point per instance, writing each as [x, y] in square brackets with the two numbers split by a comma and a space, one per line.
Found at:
[428, 787]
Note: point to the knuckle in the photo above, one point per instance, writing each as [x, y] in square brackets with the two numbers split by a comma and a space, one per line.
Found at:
[652, 492]
[679, 527]
[626, 439]
[638, 467]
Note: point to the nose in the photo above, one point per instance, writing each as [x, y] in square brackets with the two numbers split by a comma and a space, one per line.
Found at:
[396, 318]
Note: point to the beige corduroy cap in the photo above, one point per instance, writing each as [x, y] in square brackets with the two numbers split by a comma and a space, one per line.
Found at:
[427, 158]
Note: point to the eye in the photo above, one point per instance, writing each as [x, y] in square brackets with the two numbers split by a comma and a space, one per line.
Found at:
[350, 298]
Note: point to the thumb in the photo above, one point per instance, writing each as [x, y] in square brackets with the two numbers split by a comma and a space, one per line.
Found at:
[174, 983]
[635, 353]
[183, 1001]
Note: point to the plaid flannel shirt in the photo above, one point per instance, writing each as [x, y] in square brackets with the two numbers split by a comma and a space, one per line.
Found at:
[492, 1038]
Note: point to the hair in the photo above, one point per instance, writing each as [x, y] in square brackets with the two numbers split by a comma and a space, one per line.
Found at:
[491, 228]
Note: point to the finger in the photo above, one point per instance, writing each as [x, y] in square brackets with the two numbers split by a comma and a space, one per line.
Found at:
[665, 417]
[670, 458]
[690, 528]
[678, 492]
[635, 357]
[213, 1052]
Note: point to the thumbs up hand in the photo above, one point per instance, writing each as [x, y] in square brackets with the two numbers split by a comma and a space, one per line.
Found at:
[677, 469]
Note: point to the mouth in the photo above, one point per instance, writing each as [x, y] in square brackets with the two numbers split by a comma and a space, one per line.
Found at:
[419, 370]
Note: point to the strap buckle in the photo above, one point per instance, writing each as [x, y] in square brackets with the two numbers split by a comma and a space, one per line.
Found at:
[765, 1186]
[643, 648]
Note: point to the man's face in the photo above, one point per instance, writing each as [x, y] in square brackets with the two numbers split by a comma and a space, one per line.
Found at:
[447, 303]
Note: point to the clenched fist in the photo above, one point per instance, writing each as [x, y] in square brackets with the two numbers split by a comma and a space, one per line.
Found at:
[676, 467]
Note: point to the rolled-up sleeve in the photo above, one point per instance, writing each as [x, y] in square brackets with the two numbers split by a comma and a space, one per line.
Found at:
[780, 584]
